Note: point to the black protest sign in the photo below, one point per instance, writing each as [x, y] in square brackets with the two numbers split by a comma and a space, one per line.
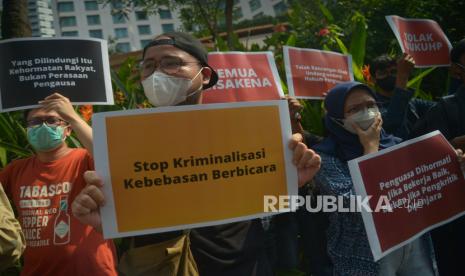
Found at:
[33, 68]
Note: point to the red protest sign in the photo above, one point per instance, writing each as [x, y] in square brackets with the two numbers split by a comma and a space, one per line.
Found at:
[243, 77]
[423, 39]
[423, 183]
[310, 73]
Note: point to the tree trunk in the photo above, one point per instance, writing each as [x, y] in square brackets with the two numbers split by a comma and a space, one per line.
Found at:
[15, 21]
[228, 14]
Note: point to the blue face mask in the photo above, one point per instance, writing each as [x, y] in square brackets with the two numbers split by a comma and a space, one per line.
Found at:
[45, 138]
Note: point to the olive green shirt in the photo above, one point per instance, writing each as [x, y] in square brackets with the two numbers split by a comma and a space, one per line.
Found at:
[12, 241]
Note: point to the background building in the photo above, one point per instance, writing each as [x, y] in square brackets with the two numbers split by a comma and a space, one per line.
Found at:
[88, 18]
[41, 18]
[91, 19]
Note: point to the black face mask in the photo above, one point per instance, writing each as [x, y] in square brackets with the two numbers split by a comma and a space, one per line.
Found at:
[387, 84]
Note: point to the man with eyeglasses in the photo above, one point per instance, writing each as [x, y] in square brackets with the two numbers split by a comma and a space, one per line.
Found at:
[448, 116]
[42, 188]
[174, 72]
[399, 110]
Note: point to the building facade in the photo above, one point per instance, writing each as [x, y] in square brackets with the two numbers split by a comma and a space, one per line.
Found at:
[89, 18]
[41, 18]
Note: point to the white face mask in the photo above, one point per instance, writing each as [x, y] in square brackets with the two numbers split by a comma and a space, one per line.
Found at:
[364, 119]
[165, 90]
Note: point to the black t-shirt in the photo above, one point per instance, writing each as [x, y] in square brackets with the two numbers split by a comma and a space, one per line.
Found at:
[234, 249]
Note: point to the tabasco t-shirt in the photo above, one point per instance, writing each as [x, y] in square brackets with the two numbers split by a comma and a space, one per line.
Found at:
[57, 243]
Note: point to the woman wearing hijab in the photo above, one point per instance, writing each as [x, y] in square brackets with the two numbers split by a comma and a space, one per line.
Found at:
[354, 127]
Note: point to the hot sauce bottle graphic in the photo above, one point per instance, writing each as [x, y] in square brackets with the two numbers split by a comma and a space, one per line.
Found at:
[62, 223]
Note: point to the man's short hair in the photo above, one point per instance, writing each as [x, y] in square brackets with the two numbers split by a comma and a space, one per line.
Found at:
[457, 51]
[381, 63]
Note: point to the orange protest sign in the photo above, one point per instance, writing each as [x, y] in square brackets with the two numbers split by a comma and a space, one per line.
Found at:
[423, 39]
[310, 72]
[243, 77]
[173, 168]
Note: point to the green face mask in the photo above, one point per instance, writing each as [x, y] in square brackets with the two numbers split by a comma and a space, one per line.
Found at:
[45, 138]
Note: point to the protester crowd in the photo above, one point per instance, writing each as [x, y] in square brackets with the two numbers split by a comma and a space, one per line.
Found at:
[66, 237]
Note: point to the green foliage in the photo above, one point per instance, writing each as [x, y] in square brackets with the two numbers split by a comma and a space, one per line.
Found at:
[13, 140]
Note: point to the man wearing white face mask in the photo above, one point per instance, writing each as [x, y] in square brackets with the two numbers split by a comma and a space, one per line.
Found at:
[174, 72]
[42, 188]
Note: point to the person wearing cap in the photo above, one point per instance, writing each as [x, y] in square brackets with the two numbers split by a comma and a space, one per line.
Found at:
[448, 116]
[175, 71]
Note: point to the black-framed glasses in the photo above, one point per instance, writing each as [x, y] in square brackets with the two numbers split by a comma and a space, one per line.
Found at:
[168, 65]
[358, 107]
[49, 121]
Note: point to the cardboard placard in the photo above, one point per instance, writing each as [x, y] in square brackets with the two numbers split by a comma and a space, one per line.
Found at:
[310, 72]
[250, 76]
[174, 168]
[423, 39]
[34, 68]
[423, 183]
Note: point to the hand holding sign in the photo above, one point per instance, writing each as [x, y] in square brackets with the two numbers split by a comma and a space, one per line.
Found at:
[405, 66]
[306, 160]
[294, 111]
[85, 206]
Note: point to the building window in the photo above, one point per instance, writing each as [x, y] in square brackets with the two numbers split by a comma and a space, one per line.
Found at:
[123, 47]
[96, 33]
[167, 28]
[237, 13]
[258, 15]
[93, 19]
[164, 14]
[68, 21]
[91, 5]
[121, 32]
[145, 42]
[65, 7]
[71, 33]
[118, 19]
[141, 15]
[117, 5]
[144, 29]
[255, 5]
[280, 8]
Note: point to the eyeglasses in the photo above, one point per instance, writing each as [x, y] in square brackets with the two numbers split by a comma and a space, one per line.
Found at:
[168, 65]
[49, 121]
[359, 107]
